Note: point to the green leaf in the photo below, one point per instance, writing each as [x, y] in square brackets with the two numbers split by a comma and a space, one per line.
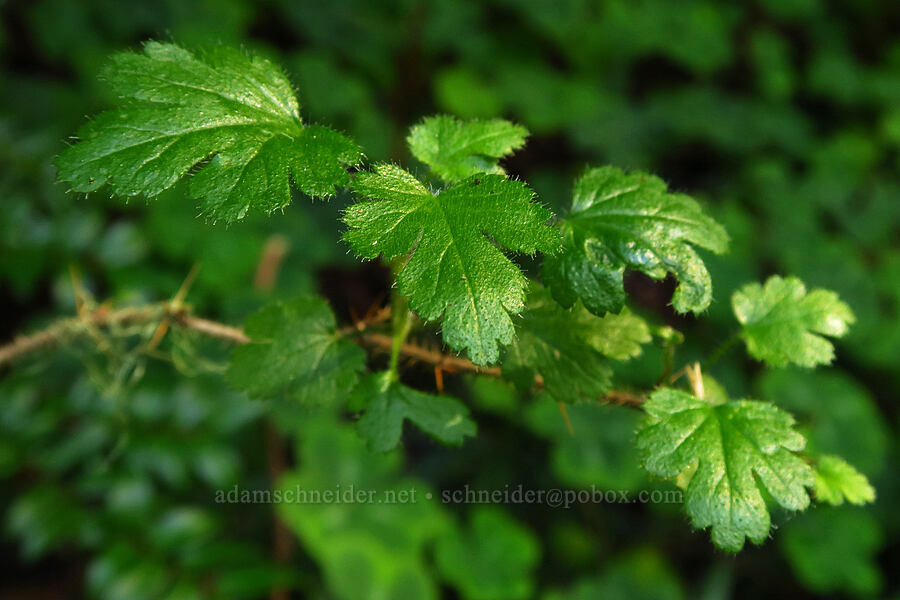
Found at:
[234, 115]
[454, 270]
[377, 525]
[457, 149]
[492, 560]
[618, 336]
[641, 575]
[388, 403]
[553, 343]
[837, 481]
[782, 323]
[297, 352]
[624, 221]
[839, 415]
[835, 550]
[735, 448]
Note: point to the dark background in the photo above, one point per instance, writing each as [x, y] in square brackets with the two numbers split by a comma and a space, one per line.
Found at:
[782, 116]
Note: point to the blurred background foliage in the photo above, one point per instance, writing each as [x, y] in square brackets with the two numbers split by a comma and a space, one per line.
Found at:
[781, 115]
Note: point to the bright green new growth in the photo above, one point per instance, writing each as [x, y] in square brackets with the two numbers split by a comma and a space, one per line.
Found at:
[555, 344]
[837, 481]
[616, 336]
[624, 221]
[454, 269]
[388, 403]
[296, 353]
[458, 149]
[725, 452]
[781, 321]
[234, 115]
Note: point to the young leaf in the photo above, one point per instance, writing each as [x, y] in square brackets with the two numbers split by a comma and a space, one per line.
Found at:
[181, 109]
[552, 342]
[295, 350]
[735, 447]
[458, 149]
[617, 336]
[781, 321]
[837, 481]
[628, 220]
[388, 403]
[454, 270]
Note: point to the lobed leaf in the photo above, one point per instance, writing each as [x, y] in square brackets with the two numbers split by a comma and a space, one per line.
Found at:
[454, 270]
[624, 221]
[617, 336]
[297, 352]
[389, 403]
[724, 453]
[782, 323]
[457, 149]
[555, 344]
[233, 115]
[837, 481]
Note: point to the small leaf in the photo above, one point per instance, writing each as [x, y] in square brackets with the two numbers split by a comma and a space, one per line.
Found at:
[624, 221]
[553, 343]
[296, 351]
[837, 481]
[782, 323]
[839, 414]
[234, 114]
[618, 336]
[389, 403]
[735, 447]
[454, 270]
[458, 149]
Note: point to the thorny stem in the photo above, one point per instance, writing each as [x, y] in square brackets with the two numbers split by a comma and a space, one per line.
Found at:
[66, 329]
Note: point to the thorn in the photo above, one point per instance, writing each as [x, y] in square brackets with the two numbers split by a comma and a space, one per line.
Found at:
[182, 292]
[439, 379]
[82, 296]
[175, 305]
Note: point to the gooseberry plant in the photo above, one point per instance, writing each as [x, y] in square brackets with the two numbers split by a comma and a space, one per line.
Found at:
[231, 123]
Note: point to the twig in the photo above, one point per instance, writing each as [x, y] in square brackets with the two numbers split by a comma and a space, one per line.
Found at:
[449, 363]
[61, 330]
[214, 329]
[385, 343]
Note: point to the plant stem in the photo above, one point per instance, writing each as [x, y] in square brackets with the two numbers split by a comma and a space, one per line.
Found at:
[401, 323]
[63, 330]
